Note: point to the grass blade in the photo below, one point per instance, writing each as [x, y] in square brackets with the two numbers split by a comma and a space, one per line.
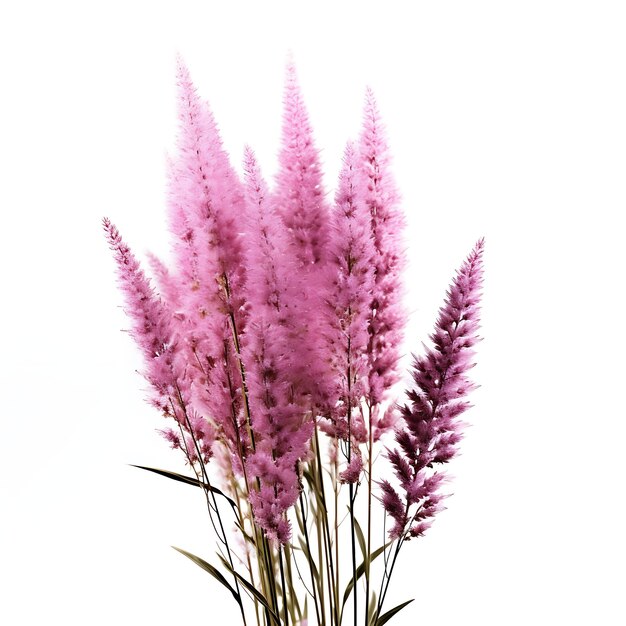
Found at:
[383, 619]
[310, 560]
[187, 480]
[360, 538]
[372, 609]
[207, 567]
[360, 570]
[254, 592]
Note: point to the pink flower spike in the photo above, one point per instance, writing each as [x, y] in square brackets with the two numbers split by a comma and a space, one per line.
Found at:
[268, 272]
[430, 429]
[206, 208]
[299, 198]
[281, 316]
[167, 284]
[151, 330]
[206, 204]
[277, 374]
[352, 473]
[387, 316]
[299, 191]
[351, 267]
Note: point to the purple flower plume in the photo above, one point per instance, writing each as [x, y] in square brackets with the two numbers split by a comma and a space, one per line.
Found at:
[282, 312]
[299, 191]
[348, 302]
[299, 200]
[387, 316]
[153, 333]
[430, 429]
[206, 202]
[281, 425]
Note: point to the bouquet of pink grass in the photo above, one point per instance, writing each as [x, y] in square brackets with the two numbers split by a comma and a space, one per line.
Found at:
[272, 348]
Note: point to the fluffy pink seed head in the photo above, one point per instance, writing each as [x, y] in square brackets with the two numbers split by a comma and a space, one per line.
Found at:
[151, 330]
[418, 530]
[430, 429]
[347, 304]
[380, 195]
[269, 270]
[352, 473]
[395, 508]
[206, 207]
[172, 437]
[300, 195]
[278, 491]
[299, 199]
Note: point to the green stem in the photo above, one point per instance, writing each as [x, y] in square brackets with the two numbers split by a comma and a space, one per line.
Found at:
[369, 519]
[294, 604]
[237, 493]
[387, 578]
[354, 588]
[308, 546]
[209, 494]
[334, 616]
[284, 587]
[336, 489]
[320, 569]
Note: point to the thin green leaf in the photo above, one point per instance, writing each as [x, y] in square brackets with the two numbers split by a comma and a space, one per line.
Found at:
[309, 477]
[360, 570]
[316, 492]
[295, 603]
[207, 567]
[310, 560]
[383, 619]
[300, 519]
[254, 592]
[372, 609]
[361, 538]
[246, 536]
[187, 480]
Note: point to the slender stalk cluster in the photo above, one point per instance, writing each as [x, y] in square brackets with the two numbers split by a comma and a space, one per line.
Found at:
[273, 347]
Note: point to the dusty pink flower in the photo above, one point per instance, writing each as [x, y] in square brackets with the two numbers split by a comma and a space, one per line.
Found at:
[153, 333]
[430, 429]
[353, 470]
[349, 295]
[206, 203]
[282, 315]
[280, 418]
[379, 193]
[299, 190]
[300, 202]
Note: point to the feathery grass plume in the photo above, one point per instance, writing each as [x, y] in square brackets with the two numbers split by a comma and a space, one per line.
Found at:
[206, 201]
[167, 285]
[387, 317]
[281, 426]
[299, 198]
[348, 308]
[267, 270]
[153, 334]
[299, 190]
[430, 429]
[274, 338]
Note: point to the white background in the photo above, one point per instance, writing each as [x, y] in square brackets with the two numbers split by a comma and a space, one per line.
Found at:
[506, 119]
